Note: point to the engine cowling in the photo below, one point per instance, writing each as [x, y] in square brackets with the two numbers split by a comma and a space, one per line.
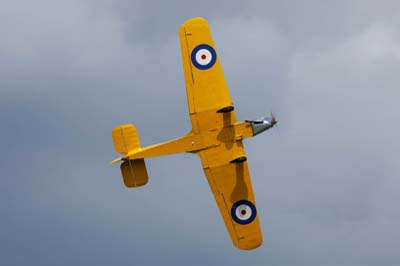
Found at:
[260, 125]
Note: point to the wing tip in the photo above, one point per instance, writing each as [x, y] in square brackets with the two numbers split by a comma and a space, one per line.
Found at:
[194, 21]
[249, 244]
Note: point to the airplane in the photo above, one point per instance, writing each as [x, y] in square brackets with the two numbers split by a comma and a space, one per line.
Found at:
[216, 137]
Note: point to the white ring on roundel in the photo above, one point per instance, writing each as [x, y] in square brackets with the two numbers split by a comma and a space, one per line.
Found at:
[243, 212]
[203, 57]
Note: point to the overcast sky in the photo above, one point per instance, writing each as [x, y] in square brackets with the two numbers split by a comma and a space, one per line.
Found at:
[327, 186]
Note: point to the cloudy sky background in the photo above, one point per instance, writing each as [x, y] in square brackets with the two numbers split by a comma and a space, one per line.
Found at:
[327, 187]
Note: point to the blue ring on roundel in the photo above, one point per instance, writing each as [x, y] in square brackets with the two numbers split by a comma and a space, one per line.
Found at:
[243, 202]
[208, 48]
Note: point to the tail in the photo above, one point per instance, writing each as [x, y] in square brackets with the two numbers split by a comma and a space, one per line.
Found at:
[126, 141]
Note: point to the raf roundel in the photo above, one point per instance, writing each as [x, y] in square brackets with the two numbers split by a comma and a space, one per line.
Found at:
[204, 56]
[243, 212]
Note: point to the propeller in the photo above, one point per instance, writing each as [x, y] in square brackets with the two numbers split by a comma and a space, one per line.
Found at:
[275, 122]
[273, 119]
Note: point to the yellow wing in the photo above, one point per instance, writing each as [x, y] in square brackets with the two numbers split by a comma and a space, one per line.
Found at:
[211, 109]
[210, 105]
[231, 185]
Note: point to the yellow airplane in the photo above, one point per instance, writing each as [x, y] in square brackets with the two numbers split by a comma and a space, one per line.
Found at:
[216, 137]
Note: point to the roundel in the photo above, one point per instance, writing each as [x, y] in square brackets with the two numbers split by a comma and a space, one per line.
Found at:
[243, 212]
[204, 56]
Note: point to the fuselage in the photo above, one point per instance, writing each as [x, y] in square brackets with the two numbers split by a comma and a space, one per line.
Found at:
[194, 142]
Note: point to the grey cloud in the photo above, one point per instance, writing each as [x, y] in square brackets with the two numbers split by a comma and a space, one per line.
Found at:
[326, 186]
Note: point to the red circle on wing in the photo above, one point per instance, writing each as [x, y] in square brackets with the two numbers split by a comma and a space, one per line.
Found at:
[243, 212]
[203, 56]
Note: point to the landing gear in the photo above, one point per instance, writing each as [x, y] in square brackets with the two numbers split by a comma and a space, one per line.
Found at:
[226, 109]
[239, 160]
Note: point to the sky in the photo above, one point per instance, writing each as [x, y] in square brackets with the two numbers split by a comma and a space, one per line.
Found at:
[326, 182]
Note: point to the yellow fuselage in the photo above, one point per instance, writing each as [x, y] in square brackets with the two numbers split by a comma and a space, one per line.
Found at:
[194, 142]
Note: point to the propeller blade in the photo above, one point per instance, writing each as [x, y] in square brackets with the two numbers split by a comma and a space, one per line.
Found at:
[274, 121]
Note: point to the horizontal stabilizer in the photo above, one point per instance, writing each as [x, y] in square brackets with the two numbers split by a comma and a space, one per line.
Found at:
[116, 160]
[134, 173]
[125, 138]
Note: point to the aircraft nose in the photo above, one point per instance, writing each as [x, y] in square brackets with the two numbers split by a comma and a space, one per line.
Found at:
[272, 121]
